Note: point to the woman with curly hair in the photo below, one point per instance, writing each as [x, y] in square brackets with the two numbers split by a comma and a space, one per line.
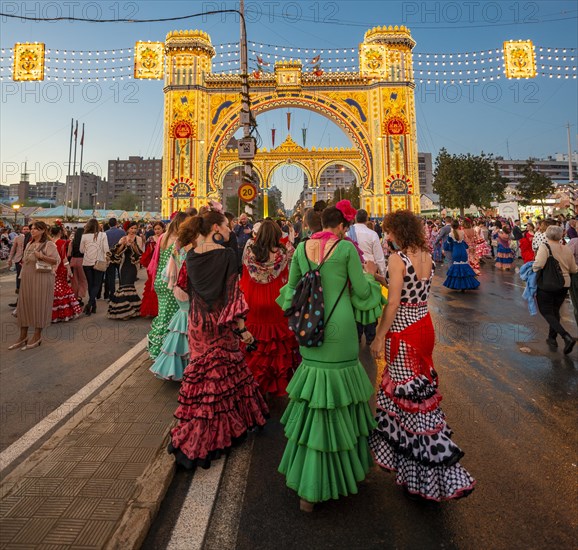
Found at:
[412, 437]
[328, 419]
[265, 271]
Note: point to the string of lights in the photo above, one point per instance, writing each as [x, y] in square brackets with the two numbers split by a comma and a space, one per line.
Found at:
[460, 67]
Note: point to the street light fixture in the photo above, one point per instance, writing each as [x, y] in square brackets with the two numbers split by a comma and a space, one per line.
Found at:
[16, 208]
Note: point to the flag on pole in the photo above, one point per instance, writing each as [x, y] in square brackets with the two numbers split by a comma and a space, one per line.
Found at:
[76, 131]
[304, 134]
[315, 60]
[273, 136]
[288, 121]
[82, 138]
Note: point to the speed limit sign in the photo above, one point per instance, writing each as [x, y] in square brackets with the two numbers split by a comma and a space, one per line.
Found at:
[247, 192]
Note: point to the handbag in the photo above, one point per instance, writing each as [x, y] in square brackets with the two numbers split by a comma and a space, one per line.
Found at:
[101, 265]
[41, 265]
[550, 277]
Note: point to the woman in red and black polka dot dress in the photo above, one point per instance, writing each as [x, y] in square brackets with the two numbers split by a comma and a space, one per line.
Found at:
[65, 306]
[412, 437]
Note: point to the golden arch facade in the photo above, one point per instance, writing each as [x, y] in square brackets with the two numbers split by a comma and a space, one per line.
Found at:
[375, 108]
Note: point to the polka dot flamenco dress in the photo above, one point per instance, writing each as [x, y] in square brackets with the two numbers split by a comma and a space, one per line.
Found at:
[412, 437]
[65, 306]
[168, 306]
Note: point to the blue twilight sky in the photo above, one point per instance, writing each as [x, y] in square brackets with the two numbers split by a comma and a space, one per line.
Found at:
[122, 118]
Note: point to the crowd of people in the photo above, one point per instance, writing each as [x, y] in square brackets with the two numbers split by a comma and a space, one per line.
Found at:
[242, 313]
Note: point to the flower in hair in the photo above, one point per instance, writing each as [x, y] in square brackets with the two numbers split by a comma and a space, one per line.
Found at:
[346, 209]
[173, 214]
[216, 207]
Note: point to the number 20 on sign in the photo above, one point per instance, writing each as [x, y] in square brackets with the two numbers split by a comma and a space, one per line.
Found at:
[247, 192]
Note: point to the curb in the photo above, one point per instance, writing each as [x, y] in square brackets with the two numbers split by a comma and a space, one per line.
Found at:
[142, 511]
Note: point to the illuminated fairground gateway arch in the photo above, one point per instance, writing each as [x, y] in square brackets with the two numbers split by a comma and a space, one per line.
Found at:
[374, 107]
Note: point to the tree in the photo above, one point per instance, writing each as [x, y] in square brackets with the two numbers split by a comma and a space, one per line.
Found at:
[463, 180]
[274, 206]
[534, 186]
[126, 201]
[234, 204]
[348, 193]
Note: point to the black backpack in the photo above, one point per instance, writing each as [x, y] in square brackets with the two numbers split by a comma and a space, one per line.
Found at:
[307, 312]
[550, 277]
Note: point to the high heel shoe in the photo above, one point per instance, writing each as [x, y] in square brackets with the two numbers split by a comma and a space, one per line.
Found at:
[306, 506]
[31, 346]
[86, 309]
[19, 344]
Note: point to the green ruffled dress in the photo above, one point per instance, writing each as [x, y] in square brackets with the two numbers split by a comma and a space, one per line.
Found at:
[328, 419]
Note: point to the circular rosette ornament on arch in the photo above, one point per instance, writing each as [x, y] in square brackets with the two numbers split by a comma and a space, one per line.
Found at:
[182, 129]
[398, 184]
[182, 188]
[395, 126]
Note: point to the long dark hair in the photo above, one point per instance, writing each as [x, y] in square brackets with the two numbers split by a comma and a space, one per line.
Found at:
[266, 241]
[41, 226]
[193, 226]
[76, 241]
[455, 227]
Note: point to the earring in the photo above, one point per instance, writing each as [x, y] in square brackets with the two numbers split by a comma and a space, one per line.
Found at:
[218, 238]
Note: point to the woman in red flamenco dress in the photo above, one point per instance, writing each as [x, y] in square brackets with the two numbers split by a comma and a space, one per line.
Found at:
[219, 400]
[150, 305]
[65, 306]
[265, 271]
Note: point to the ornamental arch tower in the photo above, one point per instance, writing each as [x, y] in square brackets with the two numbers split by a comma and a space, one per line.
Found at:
[374, 106]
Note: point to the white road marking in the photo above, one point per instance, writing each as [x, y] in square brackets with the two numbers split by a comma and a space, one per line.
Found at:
[514, 284]
[191, 526]
[57, 416]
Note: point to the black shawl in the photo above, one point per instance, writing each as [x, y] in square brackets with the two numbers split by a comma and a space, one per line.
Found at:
[211, 275]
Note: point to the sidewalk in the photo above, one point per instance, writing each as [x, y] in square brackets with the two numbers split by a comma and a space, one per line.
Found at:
[98, 481]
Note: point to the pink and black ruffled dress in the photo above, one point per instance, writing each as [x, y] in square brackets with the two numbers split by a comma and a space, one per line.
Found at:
[412, 437]
[219, 399]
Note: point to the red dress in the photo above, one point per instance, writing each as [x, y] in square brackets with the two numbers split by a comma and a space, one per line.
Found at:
[526, 247]
[150, 304]
[219, 400]
[277, 355]
[65, 306]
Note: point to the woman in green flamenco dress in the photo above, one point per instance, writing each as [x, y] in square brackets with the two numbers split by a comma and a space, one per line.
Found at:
[328, 419]
[167, 303]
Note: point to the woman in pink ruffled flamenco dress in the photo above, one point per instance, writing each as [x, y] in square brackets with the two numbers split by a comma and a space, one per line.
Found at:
[265, 271]
[219, 400]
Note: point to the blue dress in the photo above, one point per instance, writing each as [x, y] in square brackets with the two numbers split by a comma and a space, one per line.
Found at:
[460, 275]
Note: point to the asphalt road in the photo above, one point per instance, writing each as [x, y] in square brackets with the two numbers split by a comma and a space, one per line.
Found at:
[35, 382]
[511, 402]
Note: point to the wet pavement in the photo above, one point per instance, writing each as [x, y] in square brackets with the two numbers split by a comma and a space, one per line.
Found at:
[511, 401]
